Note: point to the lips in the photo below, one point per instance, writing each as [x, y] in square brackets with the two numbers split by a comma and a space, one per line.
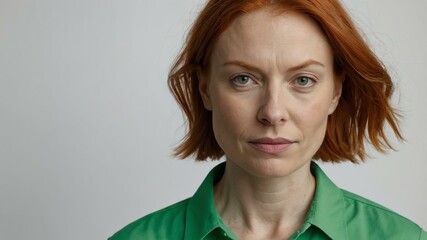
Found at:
[271, 145]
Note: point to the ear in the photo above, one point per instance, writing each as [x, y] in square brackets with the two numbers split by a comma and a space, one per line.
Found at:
[204, 89]
[338, 82]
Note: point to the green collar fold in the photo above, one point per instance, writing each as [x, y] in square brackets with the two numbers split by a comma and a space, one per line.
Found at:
[326, 212]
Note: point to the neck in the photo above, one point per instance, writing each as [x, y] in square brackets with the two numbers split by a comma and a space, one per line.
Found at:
[252, 206]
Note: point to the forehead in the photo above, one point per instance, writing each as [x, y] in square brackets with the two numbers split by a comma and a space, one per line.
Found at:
[260, 34]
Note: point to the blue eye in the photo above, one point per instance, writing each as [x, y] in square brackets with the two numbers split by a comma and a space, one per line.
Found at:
[242, 80]
[303, 82]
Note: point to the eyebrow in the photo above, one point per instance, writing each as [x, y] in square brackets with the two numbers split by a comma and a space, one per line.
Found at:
[305, 64]
[243, 64]
[294, 68]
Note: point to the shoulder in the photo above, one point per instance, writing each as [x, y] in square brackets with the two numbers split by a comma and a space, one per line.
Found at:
[376, 221]
[162, 224]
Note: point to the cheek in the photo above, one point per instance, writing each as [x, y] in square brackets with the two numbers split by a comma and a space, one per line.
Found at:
[230, 116]
[223, 119]
[313, 117]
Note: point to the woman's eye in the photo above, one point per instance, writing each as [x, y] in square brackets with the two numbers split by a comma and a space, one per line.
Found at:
[242, 80]
[303, 82]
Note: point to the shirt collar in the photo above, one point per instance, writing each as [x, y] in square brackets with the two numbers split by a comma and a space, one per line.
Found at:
[326, 212]
[327, 209]
[202, 217]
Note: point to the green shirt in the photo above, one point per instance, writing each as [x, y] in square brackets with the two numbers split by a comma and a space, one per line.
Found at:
[334, 214]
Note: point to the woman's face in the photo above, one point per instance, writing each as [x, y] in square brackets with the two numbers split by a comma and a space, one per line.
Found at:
[270, 87]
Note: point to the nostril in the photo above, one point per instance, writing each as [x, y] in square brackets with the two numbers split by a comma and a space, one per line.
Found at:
[265, 121]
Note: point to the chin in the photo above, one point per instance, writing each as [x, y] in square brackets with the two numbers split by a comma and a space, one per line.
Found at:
[273, 167]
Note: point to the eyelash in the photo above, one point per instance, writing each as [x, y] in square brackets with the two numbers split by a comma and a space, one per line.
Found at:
[234, 80]
[308, 85]
[292, 83]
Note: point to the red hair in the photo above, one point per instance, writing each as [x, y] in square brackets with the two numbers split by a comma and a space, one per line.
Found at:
[364, 106]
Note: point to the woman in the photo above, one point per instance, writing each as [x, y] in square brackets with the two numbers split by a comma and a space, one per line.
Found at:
[272, 85]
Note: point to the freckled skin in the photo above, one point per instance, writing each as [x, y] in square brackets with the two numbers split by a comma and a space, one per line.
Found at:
[270, 105]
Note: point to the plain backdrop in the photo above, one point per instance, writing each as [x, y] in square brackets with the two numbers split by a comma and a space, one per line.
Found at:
[87, 124]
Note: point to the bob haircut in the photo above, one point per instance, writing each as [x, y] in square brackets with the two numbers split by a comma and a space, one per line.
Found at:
[362, 111]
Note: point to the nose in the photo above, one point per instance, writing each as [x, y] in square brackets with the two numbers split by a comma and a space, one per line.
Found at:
[273, 107]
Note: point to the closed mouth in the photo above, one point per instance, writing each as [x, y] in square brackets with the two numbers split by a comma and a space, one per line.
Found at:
[271, 145]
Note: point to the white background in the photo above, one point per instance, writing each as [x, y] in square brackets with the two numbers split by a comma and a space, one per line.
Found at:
[87, 124]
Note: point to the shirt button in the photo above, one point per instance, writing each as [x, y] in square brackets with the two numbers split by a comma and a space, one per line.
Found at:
[224, 233]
